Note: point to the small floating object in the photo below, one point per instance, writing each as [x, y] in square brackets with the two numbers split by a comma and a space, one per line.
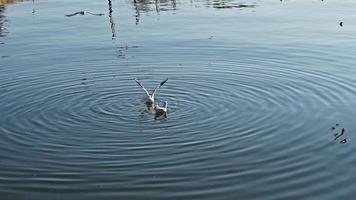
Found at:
[83, 13]
[341, 24]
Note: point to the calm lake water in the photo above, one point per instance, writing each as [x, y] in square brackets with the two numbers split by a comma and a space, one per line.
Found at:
[258, 94]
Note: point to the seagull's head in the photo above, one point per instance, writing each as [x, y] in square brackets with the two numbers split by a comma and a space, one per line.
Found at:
[165, 104]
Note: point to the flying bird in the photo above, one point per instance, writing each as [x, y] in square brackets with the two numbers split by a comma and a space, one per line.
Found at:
[151, 96]
[83, 13]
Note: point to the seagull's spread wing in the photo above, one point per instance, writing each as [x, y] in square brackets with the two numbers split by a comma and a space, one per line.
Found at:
[148, 94]
[97, 14]
[71, 15]
[158, 86]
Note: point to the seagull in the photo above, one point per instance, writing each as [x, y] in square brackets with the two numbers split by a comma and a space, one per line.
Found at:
[83, 13]
[161, 110]
[151, 96]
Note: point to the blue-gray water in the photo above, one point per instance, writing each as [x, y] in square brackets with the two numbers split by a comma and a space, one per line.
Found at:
[254, 92]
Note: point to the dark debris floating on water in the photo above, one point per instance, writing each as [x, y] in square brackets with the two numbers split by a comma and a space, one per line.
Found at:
[338, 133]
[83, 13]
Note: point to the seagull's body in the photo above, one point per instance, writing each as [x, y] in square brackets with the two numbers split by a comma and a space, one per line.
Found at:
[83, 13]
[161, 110]
[151, 96]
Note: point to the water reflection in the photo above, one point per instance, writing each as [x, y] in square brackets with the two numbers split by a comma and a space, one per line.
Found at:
[152, 5]
[137, 12]
[221, 4]
[157, 5]
[171, 5]
[122, 50]
[166, 5]
[33, 9]
[2, 21]
[3, 3]
[112, 23]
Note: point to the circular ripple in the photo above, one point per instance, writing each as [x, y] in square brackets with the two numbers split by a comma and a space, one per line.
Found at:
[226, 98]
[76, 120]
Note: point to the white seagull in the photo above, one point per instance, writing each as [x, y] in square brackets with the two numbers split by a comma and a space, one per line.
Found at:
[161, 110]
[83, 13]
[151, 96]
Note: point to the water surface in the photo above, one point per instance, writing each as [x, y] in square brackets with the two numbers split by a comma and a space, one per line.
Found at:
[256, 92]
